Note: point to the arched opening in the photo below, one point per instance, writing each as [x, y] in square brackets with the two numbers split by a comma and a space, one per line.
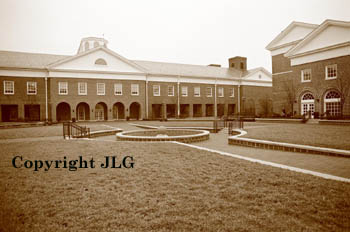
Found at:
[83, 111]
[100, 61]
[101, 111]
[63, 112]
[308, 104]
[332, 103]
[118, 111]
[135, 110]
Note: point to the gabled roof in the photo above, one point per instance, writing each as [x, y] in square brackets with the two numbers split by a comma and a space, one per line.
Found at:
[11, 59]
[286, 31]
[316, 32]
[67, 59]
[188, 69]
[251, 72]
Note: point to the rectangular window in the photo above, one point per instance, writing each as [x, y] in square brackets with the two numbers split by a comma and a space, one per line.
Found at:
[9, 87]
[118, 89]
[100, 88]
[221, 91]
[209, 91]
[331, 71]
[232, 92]
[306, 75]
[184, 91]
[134, 89]
[171, 90]
[156, 90]
[31, 88]
[82, 88]
[62, 88]
[197, 91]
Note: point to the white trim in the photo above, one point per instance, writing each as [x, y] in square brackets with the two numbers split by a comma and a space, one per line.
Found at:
[104, 88]
[85, 86]
[13, 87]
[60, 83]
[137, 92]
[211, 91]
[302, 75]
[223, 92]
[336, 71]
[199, 91]
[275, 74]
[232, 94]
[35, 87]
[115, 89]
[184, 93]
[156, 90]
[172, 90]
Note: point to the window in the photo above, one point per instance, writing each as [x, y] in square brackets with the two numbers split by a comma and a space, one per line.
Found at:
[232, 92]
[331, 71]
[100, 88]
[31, 88]
[306, 75]
[232, 65]
[209, 91]
[184, 91]
[197, 91]
[9, 87]
[62, 88]
[171, 90]
[100, 61]
[242, 65]
[221, 91]
[156, 90]
[82, 88]
[332, 103]
[134, 89]
[118, 89]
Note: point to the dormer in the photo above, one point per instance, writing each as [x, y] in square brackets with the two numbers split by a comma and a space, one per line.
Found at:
[91, 43]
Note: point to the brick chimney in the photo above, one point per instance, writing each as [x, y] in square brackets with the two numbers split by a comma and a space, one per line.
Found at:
[238, 62]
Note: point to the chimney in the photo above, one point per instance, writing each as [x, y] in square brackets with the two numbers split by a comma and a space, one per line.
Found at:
[215, 65]
[238, 62]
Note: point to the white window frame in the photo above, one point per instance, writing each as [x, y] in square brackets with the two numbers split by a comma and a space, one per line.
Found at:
[6, 91]
[63, 85]
[184, 91]
[118, 89]
[222, 94]
[80, 84]
[156, 90]
[35, 88]
[171, 90]
[336, 71]
[136, 91]
[232, 92]
[197, 91]
[98, 85]
[303, 73]
[211, 91]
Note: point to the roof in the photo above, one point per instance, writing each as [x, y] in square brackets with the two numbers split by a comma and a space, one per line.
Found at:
[188, 69]
[10, 59]
[27, 60]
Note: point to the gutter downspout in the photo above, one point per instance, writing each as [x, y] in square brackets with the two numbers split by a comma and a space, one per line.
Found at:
[239, 96]
[178, 96]
[46, 100]
[146, 97]
[215, 102]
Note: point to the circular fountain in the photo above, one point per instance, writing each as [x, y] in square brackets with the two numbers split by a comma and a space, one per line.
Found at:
[163, 134]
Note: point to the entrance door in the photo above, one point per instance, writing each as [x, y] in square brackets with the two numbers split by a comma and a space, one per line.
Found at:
[308, 105]
[81, 113]
[99, 114]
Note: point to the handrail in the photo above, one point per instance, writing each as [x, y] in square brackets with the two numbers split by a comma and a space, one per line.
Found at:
[73, 130]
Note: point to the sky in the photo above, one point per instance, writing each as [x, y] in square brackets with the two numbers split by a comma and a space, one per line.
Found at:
[180, 31]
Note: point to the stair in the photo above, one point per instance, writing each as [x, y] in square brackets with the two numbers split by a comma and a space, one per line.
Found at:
[312, 121]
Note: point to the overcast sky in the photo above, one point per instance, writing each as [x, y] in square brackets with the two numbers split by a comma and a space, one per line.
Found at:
[179, 31]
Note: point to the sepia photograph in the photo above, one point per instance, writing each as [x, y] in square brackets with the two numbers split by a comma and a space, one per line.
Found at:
[163, 115]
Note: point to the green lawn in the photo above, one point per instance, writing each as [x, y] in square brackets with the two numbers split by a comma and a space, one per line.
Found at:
[331, 136]
[171, 188]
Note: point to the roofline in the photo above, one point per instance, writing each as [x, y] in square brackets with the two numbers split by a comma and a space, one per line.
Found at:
[286, 31]
[314, 33]
[319, 50]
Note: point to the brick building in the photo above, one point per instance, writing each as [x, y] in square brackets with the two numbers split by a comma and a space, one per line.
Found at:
[99, 84]
[311, 69]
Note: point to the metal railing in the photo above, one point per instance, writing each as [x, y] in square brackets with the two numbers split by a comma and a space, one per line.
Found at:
[230, 124]
[73, 130]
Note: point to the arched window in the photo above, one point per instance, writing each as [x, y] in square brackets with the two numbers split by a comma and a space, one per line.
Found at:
[308, 96]
[87, 46]
[96, 44]
[100, 61]
[332, 103]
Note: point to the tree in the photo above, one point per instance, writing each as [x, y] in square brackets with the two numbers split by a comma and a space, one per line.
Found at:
[343, 85]
[265, 104]
[290, 89]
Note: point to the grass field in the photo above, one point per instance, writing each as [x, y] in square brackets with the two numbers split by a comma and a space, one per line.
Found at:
[170, 188]
[331, 136]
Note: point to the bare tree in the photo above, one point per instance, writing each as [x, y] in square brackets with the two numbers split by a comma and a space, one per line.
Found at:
[343, 85]
[290, 89]
[265, 104]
